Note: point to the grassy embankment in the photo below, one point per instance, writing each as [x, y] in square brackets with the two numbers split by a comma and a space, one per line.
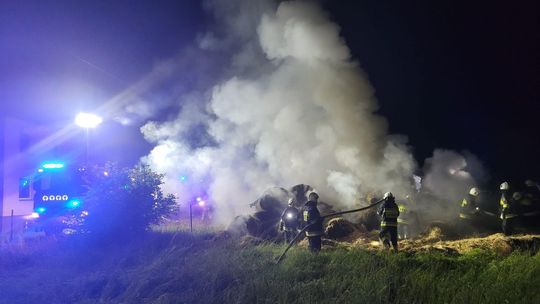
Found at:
[181, 268]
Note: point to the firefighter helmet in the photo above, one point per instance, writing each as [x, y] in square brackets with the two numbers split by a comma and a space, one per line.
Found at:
[474, 191]
[388, 195]
[313, 196]
[504, 186]
[290, 202]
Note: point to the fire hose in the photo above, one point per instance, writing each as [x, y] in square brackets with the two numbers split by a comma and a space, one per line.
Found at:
[278, 260]
[525, 214]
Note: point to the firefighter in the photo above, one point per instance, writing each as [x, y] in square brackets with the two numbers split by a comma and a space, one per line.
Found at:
[389, 213]
[403, 220]
[207, 211]
[531, 204]
[507, 209]
[289, 222]
[532, 191]
[312, 218]
[469, 211]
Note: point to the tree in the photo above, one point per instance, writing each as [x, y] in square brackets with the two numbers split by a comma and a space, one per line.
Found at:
[126, 202]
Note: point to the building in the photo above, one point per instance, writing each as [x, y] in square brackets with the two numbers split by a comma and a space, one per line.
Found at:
[23, 147]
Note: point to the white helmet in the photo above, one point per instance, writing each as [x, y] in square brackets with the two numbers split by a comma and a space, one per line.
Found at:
[530, 183]
[504, 186]
[474, 191]
[313, 196]
[291, 201]
[388, 195]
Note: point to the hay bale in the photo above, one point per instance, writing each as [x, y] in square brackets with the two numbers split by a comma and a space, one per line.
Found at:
[438, 231]
[274, 198]
[267, 222]
[269, 203]
[267, 217]
[253, 226]
[238, 227]
[434, 233]
[300, 193]
[339, 228]
[361, 228]
[369, 219]
[502, 247]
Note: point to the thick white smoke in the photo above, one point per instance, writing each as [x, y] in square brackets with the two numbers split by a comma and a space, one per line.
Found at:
[300, 111]
[447, 176]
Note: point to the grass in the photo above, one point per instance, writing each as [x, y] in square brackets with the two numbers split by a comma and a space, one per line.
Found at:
[203, 268]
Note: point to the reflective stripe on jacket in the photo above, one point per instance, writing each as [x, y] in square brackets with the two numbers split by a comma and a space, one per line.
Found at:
[464, 215]
[403, 222]
[467, 209]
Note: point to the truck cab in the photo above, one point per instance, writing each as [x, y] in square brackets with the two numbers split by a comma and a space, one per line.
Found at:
[59, 194]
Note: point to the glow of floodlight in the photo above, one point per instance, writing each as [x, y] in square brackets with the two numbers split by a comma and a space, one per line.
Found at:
[88, 120]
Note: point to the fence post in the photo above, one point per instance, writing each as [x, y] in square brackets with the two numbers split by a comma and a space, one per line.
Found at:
[11, 224]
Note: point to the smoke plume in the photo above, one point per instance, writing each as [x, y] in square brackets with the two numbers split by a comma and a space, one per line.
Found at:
[290, 106]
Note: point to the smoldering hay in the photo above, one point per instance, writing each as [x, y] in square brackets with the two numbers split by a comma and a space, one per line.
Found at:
[296, 109]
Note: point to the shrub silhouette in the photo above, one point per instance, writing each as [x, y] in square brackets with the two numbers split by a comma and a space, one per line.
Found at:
[125, 202]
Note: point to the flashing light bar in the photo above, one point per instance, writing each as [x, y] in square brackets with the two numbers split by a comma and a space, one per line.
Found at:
[52, 166]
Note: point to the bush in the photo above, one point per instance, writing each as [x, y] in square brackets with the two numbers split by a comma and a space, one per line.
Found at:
[126, 202]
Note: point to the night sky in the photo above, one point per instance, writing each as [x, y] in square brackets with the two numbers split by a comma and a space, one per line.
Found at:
[448, 74]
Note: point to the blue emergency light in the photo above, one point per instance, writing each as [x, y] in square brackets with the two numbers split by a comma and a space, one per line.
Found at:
[40, 210]
[52, 166]
[74, 204]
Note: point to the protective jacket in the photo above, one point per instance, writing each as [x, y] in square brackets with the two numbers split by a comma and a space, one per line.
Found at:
[468, 207]
[404, 217]
[507, 207]
[312, 216]
[389, 213]
[532, 194]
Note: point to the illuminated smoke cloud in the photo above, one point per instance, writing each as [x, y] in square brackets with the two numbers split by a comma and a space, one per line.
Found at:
[291, 107]
[446, 176]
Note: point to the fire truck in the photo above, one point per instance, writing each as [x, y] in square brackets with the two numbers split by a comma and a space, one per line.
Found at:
[59, 191]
